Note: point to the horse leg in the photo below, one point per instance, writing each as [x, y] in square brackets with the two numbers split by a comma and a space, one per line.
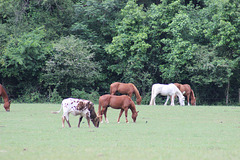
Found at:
[80, 119]
[88, 120]
[120, 114]
[188, 100]
[68, 123]
[63, 121]
[126, 110]
[166, 101]
[172, 100]
[152, 101]
[105, 115]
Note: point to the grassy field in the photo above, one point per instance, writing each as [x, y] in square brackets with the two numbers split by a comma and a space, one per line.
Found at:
[30, 131]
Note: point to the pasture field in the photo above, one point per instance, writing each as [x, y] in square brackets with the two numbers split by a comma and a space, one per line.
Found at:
[30, 131]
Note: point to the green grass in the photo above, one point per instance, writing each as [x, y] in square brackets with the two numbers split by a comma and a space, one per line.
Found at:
[30, 131]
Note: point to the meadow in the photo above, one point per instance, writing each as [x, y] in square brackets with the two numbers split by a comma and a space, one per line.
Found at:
[30, 131]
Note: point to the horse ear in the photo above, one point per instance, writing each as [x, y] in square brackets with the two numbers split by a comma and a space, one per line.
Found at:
[9, 101]
[137, 111]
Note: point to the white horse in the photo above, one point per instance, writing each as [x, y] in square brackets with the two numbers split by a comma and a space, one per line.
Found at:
[169, 90]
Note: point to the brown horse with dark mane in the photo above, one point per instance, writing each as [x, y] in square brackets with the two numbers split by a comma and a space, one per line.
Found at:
[3, 93]
[187, 91]
[122, 102]
[125, 88]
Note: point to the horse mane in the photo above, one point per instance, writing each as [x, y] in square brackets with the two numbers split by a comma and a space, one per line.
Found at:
[132, 106]
[178, 91]
[136, 91]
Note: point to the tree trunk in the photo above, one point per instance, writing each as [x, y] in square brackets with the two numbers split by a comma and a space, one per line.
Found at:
[227, 93]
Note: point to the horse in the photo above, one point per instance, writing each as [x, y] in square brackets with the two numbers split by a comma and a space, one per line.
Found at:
[6, 100]
[76, 107]
[125, 88]
[187, 92]
[122, 102]
[169, 90]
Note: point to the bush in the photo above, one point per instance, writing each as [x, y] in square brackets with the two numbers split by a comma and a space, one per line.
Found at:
[92, 96]
[31, 97]
[55, 97]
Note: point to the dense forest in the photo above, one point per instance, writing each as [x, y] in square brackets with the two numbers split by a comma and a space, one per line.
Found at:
[53, 49]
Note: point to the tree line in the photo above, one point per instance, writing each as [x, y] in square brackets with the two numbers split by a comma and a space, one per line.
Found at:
[53, 49]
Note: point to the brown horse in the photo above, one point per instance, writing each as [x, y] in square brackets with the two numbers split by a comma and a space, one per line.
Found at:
[125, 88]
[7, 102]
[187, 91]
[122, 102]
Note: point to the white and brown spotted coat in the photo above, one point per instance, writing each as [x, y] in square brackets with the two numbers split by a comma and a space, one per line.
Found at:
[71, 105]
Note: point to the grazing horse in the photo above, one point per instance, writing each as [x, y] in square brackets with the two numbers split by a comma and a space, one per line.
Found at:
[81, 107]
[122, 102]
[4, 95]
[186, 89]
[169, 90]
[125, 88]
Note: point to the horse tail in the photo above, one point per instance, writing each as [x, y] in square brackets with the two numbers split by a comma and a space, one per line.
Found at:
[137, 94]
[152, 95]
[99, 107]
[114, 87]
[56, 112]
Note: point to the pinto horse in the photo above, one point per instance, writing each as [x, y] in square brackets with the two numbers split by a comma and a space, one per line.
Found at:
[169, 90]
[7, 102]
[186, 89]
[122, 102]
[76, 107]
[125, 88]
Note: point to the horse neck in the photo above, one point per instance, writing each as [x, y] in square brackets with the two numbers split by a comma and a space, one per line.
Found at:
[132, 107]
[4, 95]
[179, 94]
[137, 94]
[192, 94]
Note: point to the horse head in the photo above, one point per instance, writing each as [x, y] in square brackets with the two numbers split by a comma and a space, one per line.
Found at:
[193, 101]
[7, 106]
[139, 100]
[96, 121]
[93, 116]
[134, 116]
[182, 101]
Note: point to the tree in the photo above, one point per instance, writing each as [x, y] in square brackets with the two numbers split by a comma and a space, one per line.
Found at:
[71, 66]
[128, 49]
[23, 58]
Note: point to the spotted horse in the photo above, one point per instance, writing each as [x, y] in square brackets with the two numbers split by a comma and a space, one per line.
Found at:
[84, 108]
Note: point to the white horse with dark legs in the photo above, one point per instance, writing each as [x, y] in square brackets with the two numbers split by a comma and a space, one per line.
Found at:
[169, 90]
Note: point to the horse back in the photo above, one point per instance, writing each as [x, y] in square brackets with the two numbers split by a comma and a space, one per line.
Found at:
[186, 88]
[120, 102]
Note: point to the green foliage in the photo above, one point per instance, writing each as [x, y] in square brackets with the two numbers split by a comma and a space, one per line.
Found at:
[24, 57]
[138, 41]
[128, 49]
[82, 94]
[71, 65]
[54, 96]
